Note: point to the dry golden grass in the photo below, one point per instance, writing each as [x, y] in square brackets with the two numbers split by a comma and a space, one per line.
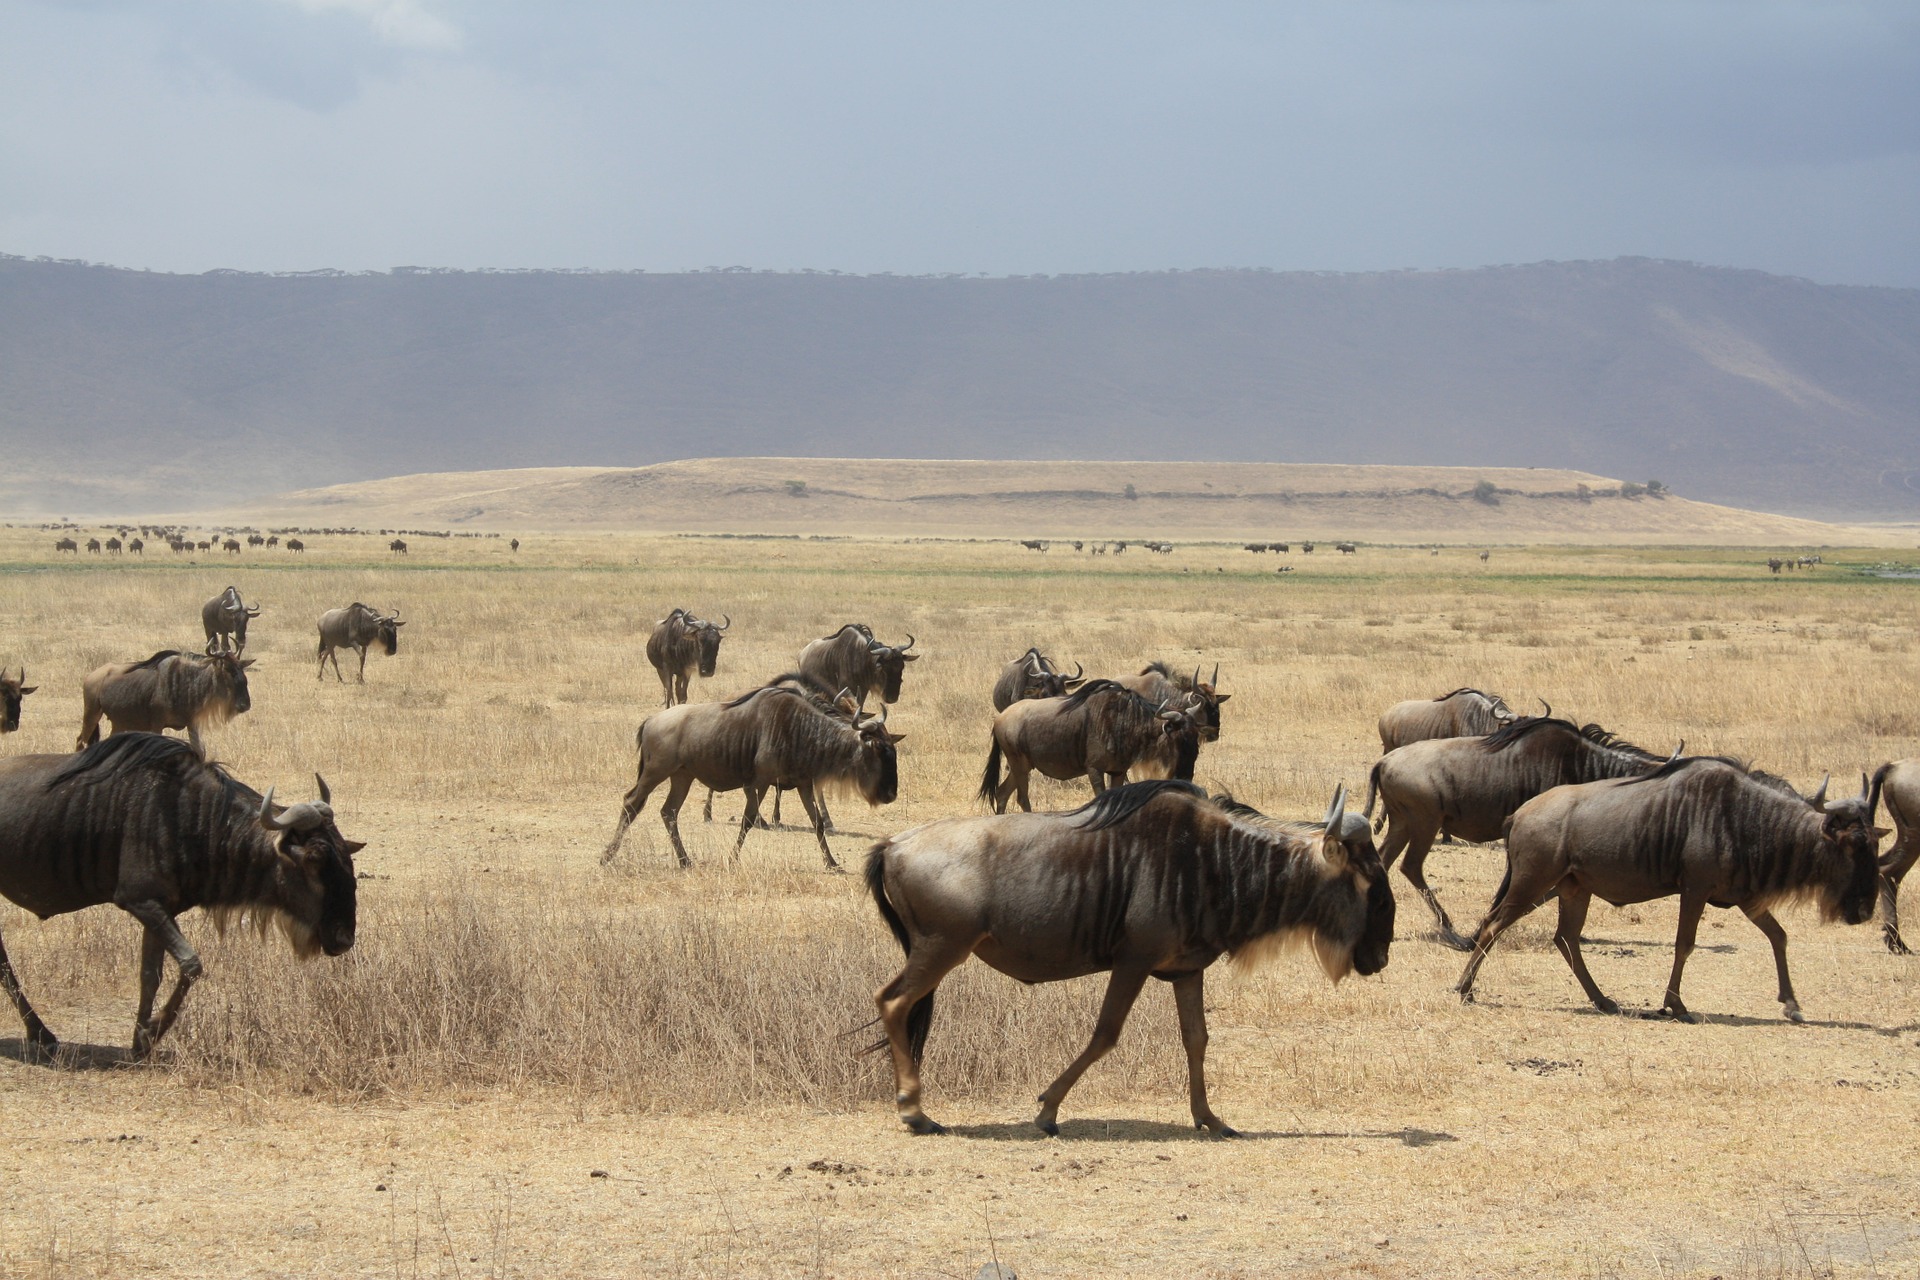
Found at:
[515, 1016]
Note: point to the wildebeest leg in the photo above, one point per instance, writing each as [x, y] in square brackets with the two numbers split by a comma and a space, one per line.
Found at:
[670, 815]
[163, 933]
[818, 812]
[363, 663]
[1514, 903]
[906, 1011]
[1765, 923]
[750, 816]
[630, 806]
[1574, 902]
[90, 713]
[37, 1034]
[706, 815]
[1893, 869]
[1123, 988]
[1690, 910]
[679, 690]
[1189, 997]
[776, 804]
[1415, 870]
[1015, 782]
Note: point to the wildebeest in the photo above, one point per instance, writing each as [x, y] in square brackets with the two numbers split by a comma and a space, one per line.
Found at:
[1281, 547]
[255, 540]
[1469, 787]
[225, 618]
[142, 822]
[273, 540]
[1774, 563]
[1259, 548]
[137, 546]
[1149, 880]
[1307, 547]
[1464, 713]
[231, 546]
[1034, 544]
[170, 690]
[66, 544]
[1485, 556]
[1899, 783]
[1098, 732]
[680, 645]
[1157, 682]
[513, 544]
[852, 659]
[203, 546]
[771, 737]
[114, 546]
[397, 547]
[358, 626]
[1345, 548]
[1702, 828]
[1033, 675]
[93, 546]
[294, 544]
[12, 690]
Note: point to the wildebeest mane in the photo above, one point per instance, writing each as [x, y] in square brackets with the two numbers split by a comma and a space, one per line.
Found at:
[1508, 734]
[1184, 683]
[1672, 767]
[125, 754]
[1117, 804]
[1092, 687]
[155, 660]
[1478, 693]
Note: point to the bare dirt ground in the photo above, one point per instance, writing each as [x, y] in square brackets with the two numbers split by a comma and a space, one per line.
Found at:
[535, 1065]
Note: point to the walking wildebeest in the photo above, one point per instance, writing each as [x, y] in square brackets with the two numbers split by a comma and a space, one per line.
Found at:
[839, 704]
[1157, 682]
[231, 546]
[1469, 787]
[12, 690]
[142, 822]
[1899, 782]
[170, 690]
[771, 737]
[852, 659]
[1702, 828]
[1345, 548]
[1149, 880]
[1464, 713]
[93, 546]
[66, 544]
[294, 544]
[225, 618]
[1033, 544]
[358, 626]
[513, 544]
[114, 546]
[680, 645]
[1033, 675]
[138, 547]
[1098, 732]
[397, 547]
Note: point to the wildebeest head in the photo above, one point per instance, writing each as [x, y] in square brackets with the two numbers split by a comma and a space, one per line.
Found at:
[315, 874]
[1207, 700]
[1848, 827]
[1041, 679]
[1182, 729]
[1366, 917]
[12, 690]
[891, 661]
[708, 635]
[229, 676]
[388, 632]
[878, 773]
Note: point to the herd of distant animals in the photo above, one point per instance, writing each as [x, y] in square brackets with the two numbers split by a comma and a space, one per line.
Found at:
[1151, 879]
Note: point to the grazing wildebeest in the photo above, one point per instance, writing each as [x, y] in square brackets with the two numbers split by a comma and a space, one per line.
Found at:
[852, 659]
[12, 690]
[1702, 828]
[273, 540]
[231, 546]
[225, 618]
[66, 544]
[771, 737]
[142, 822]
[114, 546]
[358, 626]
[255, 540]
[294, 544]
[397, 547]
[680, 645]
[170, 690]
[1149, 880]
[1281, 547]
[1345, 548]
[1259, 548]
[1899, 782]
[1469, 787]
[1307, 547]
[1034, 544]
[1098, 732]
[1033, 675]
[203, 546]
[138, 547]
[1157, 682]
[1464, 713]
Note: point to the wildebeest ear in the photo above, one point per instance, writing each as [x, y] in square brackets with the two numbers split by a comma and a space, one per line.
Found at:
[896, 737]
[27, 689]
[353, 846]
[1221, 698]
[244, 663]
[1333, 852]
[910, 657]
[1880, 833]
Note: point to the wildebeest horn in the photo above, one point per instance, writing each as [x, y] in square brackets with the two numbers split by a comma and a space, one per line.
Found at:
[267, 818]
[1819, 798]
[1548, 713]
[1215, 682]
[1079, 672]
[1863, 772]
[1337, 807]
[909, 644]
[845, 692]
[1682, 746]
[728, 621]
[326, 796]
[1196, 675]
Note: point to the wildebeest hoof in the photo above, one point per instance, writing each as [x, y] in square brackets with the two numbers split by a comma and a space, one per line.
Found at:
[1680, 1013]
[1215, 1127]
[1793, 1013]
[923, 1125]
[1447, 937]
[1897, 944]
[835, 868]
[1049, 1127]
[1605, 1005]
[42, 1045]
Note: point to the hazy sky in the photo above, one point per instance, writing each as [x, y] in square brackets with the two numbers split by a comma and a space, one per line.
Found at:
[1003, 138]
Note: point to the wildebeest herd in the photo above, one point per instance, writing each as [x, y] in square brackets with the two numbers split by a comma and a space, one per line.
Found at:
[1153, 878]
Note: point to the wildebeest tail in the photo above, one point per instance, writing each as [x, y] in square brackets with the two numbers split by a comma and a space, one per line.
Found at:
[990, 780]
[1873, 795]
[920, 1017]
[1373, 789]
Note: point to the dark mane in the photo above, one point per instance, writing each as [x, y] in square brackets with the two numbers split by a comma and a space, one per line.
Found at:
[1092, 687]
[1120, 803]
[859, 627]
[781, 684]
[156, 659]
[1480, 693]
[1524, 726]
[1671, 767]
[1184, 683]
[1224, 801]
[122, 754]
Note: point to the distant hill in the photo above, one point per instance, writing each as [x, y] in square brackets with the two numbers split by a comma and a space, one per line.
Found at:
[124, 390]
[1125, 500]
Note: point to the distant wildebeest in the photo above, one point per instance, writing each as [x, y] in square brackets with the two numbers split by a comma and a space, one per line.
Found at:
[225, 619]
[138, 547]
[1282, 547]
[1159, 683]
[1034, 544]
[1464, 713]
[114, 546]
[12, 690]
[294, 544]
[1774, 563]
[1899, 783]
[771, 737]
[1259, 548]
[1079, 545]
[397, 547]
[1469, 787]
[1345, 548]
[142, 822]
[231, 546]
[1702, 828]
[358, 627]
[255, 540]
[93, 546]
[852, 659]
[1098, 732]
[170, 690]
[1149, 880]
[514, 544]
[1307, 547]
[203, 546]
[273, 540]
[1033, 675]
[1484, 556]
[680, 645]
[66, 544]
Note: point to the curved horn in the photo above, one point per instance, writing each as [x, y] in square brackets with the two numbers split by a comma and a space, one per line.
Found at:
[728, 621]
[1079, 672]
[1548, 713]
[326, 796]
[267, 818]
[1819, 798]
[909, 644]
[1682, 746]
[1215, 682]
[846, 693]
[1196, 675]
[1337, 807]
[1863, 772]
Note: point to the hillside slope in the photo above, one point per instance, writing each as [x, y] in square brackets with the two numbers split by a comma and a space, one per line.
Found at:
[122, 389]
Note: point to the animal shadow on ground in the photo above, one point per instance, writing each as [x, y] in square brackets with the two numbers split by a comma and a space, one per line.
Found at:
[71, 1056]
[1718, 948]
[1158, 1131]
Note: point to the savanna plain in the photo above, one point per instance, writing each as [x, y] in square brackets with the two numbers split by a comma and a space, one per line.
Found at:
[534, 1064]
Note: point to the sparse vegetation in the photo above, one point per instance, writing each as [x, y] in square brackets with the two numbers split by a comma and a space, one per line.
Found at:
[1488, 492]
